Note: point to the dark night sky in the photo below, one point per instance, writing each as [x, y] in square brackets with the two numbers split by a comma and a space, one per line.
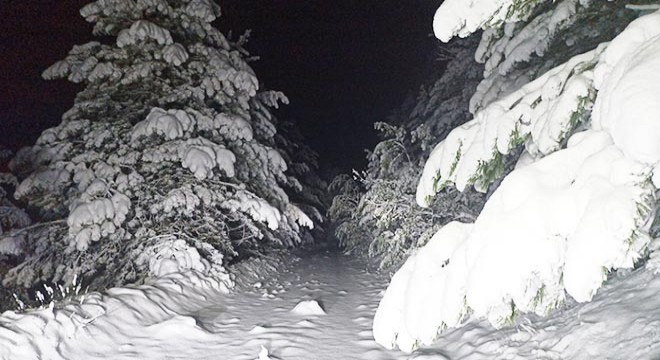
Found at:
[343, 64]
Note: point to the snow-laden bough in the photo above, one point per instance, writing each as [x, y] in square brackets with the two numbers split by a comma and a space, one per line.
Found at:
[563, 218]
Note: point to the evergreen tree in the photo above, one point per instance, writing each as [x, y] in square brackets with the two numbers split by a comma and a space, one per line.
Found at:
[569, 120]
[374, 211]
[169, 160]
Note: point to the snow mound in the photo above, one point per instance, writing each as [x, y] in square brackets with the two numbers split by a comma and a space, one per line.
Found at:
[96, 322]
[308, 307]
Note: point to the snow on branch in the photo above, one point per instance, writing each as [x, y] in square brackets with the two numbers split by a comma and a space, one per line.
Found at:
[142, 30]
[462, 18]
[541, 113]
[561, 220]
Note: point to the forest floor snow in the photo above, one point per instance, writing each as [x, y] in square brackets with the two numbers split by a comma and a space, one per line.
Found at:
[318, 306]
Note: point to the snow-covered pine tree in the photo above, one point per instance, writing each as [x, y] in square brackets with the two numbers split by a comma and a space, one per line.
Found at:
[12, 217]
[584, 113]
[169, 160]
[374, 211]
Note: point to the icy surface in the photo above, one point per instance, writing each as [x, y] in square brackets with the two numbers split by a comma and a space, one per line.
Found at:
[192, 317]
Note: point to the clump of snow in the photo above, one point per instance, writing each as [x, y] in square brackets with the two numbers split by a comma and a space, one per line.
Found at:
[171, 124]
[201, 160]
[142, 30]
[628, 80]
[233, 127]
[259, 209]
[104, 71]
[399, 320]
[11, 245]
[300, 217]
[502, 49]
[308, 307]
[175, 54]
[182, 199]
[89, 221]
[205, 10]
[539, 112]
[199, 155]
[47, 180]
[173, 256]
[462, 18]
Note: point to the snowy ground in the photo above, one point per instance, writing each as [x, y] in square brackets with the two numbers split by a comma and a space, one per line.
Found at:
[176, 319]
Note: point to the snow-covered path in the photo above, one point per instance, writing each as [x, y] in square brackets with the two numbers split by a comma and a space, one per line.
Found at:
[342, 285]
[160, 321]
[185, 317]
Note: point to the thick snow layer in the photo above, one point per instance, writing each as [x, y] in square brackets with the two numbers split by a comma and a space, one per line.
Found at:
[628, 80]
[561, 220]
[142, 30]
[551, 226]
[171, 124]
[192, 317]
[534, 38]
[103, 325]
[501, 51]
